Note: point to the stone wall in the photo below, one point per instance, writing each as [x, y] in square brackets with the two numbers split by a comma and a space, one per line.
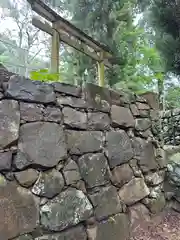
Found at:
[76, 164]
[171, 126]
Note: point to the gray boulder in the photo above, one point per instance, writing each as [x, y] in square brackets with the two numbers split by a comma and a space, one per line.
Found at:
[40, 143]
[118, 149]
[94, 169]
[22, 88]
[66, 210]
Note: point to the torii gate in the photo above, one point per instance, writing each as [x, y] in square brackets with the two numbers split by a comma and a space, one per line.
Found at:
[62, 30]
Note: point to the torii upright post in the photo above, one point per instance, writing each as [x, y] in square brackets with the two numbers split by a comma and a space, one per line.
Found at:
[101, 70]
[55, 45]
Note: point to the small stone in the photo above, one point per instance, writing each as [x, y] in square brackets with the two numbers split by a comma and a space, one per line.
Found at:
[9, 124]
[142, 124]
[134, 191]
[67, 209]
[144, 113]
[155, 191]
[80, 185]
[134, 110]
[49, 184]
[136, 171]
[5, 161]
[27, 178]
[157, 205]
[74, 118]
[94, 169]
[142, 106]
[71, 172]
[118, 148]
[80, 142]
[155, 178]
[98, 121]
[106, 202]
[121, 175]
[121, 117]
[67, 89]
[72, 102]
[154, 114]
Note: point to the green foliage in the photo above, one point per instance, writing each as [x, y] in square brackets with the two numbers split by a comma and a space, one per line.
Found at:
[142, 66]
[44, 76]
[163, 17]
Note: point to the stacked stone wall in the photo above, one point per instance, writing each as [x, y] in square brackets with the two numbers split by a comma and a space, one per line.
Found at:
[76, 163]
[171, 126]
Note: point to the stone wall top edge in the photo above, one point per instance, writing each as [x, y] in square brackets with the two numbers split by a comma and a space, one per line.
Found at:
[89, 90]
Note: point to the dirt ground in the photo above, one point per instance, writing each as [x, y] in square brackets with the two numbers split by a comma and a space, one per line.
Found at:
[164, 227]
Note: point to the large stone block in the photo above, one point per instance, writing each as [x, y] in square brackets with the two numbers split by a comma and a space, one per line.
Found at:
[74, 118]
[67, 89]
[49, 184]
[67, 209]
[80, 142]
[76, 233]
[25, 89]
[98, 121]
[94, 169]
[9, 124]
[122, 116]
[18, 211]
[40, 143]
[31, 112]
[106, 202]
[119, 149]
[97, 97]
[122, 174]
[134, 191]
[144, 152]
[115, 228]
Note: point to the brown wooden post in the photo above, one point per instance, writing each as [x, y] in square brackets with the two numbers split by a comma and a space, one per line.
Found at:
[55, 45]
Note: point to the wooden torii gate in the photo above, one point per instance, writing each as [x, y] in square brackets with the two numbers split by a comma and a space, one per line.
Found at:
[62, 30]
